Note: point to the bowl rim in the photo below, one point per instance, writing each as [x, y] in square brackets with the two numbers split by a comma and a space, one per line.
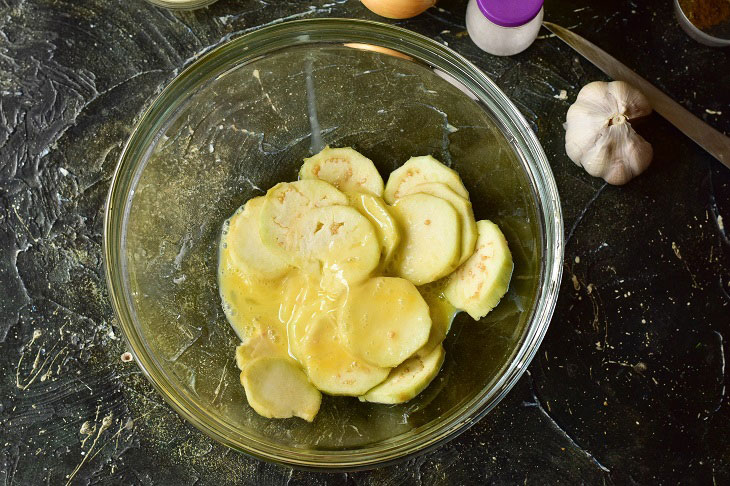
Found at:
[336, 31]
[695, 32]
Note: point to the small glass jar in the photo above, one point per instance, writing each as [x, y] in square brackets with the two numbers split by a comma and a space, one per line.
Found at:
[504, 27]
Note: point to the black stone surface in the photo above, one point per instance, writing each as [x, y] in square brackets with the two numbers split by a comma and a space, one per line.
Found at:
[629, 386]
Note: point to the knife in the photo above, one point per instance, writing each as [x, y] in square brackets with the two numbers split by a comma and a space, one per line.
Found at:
[714, 142]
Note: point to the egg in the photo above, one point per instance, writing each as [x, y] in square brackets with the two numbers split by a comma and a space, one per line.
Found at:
[398, 9]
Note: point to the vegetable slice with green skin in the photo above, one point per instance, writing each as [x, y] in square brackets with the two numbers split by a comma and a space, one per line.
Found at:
[377, 212]
[478, 285]
[247, 250]
[407, 380]
[345, 168]
[278, 388]
[431, 245]
[463, 207]
[384, 321]
[419, 170]
[284, 206]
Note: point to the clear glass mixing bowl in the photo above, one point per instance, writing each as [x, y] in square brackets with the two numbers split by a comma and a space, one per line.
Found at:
[241, 119]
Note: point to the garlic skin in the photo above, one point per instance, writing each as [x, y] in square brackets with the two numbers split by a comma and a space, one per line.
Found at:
[398, 9]
[598, 132]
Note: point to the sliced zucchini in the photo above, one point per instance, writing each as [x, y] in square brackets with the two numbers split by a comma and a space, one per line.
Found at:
[266, 342]
[407, 380]
[284, 206]
[478, 285]
[331, 367]
[419, 170]
[384, 321]
[345, 168]
[431, 245]
[377, 212]
[342, 239]
[442, 315]
[278, 388]
[462, 206]
[248, 252]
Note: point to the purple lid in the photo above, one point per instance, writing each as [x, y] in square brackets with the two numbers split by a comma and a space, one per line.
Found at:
[510, 13]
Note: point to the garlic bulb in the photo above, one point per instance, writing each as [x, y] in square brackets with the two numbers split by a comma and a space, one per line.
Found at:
[598, 133]
[398, 9]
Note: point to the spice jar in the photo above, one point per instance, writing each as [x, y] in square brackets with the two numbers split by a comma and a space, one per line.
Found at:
[706, 21]
[503, 27]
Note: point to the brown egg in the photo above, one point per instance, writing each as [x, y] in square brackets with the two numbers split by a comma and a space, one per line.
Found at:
[398, 9]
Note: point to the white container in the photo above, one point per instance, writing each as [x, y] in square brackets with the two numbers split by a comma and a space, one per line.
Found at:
[504, 27]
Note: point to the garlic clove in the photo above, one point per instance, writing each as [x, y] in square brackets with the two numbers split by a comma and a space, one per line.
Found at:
[595, 97]
[618, 155]
[398, 9]
[592, 120]
[598, 132]
[634, 156]
[629, 101]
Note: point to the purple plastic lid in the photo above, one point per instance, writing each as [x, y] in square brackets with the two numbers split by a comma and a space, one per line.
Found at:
[510, 13]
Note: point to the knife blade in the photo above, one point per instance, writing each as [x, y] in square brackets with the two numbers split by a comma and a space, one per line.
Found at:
[714, 142]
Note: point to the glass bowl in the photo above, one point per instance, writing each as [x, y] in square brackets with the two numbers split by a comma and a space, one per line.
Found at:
[241, 119]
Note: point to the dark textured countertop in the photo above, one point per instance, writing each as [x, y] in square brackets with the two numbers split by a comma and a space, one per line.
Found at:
[628, 387]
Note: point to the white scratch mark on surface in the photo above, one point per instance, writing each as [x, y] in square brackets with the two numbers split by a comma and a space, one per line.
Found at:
[722, 369]
[253, 186]
[675, 248]
[257, 75]
[37, 366]
[583, 212]
[552, 421]
[217, 392]
[105, 423]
